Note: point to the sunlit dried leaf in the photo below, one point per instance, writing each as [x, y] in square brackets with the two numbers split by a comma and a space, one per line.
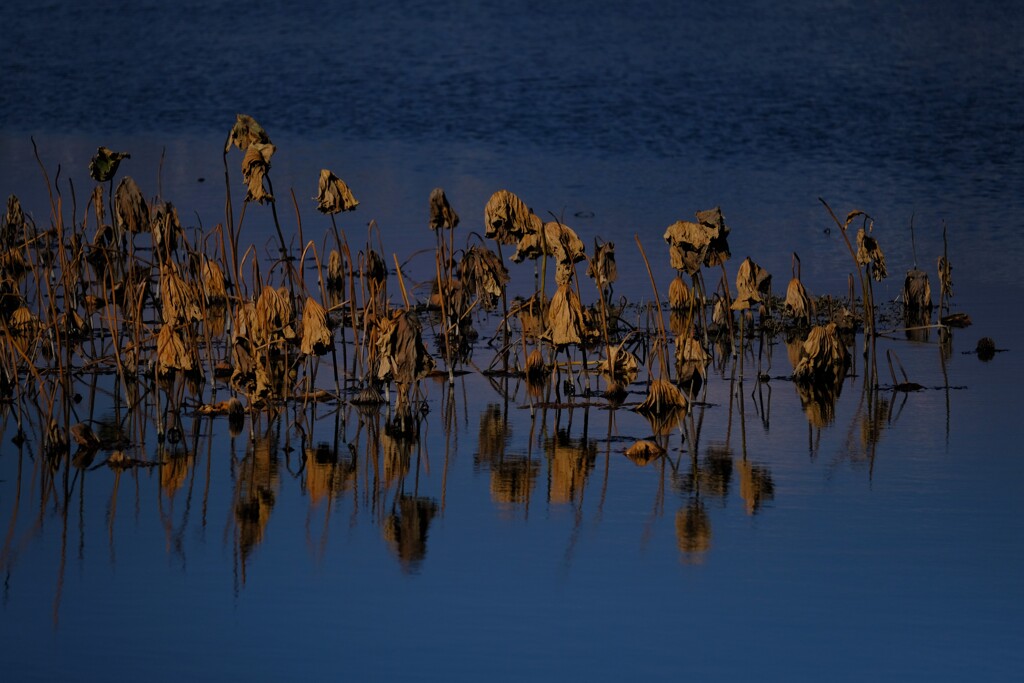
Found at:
[403, 357]
[24, 323]
[753, 284]
[713, 221]
[130, 210]
[316, 333]
[620, 367]
[255, 165]
[104, 164]
[602, 269]
[917, 291]
[442, 215]
[824, 358]
[565, 324]
[335, 272]
[869, 253]
[662, 397]
[246, 132]
[507, 219]
[483, 274]
[798, 303]
[274, 316]
[691, 359]
[643, 452]
[214, 284]
[688, 244]
[333, 195]
[679, 295]
[173, 353]
[536, 369]
[166, 229]
[558, 241]
[178, 298]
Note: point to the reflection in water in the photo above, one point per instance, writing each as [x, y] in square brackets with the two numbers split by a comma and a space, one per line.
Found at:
[693, 531]
[328, 475]
[709, 477]
[174, 468]
[255, 494]
[569, 463]
[406, 530]
[513, 479]
[756, 485]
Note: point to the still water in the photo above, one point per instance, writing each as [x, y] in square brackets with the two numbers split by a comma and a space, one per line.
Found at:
[509, 543]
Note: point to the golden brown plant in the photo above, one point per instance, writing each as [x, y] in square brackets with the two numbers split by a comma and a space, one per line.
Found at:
[333, 195]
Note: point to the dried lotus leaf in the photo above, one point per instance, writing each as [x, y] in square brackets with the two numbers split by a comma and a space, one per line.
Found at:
[869, 253]
[246, 132]
[602, 269]
[130, 210]
[255, 166]
[442, 215]
[104, 164]
[565, 323]
[798, 303]
[333, 194]
[507, 219]
[316, 333]
[688, 245]
[483, 274]
[643, 452]
[917, 291]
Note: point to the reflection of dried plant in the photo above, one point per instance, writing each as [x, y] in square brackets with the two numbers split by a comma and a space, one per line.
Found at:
[406, 530]
[693, 528]
[756, 485]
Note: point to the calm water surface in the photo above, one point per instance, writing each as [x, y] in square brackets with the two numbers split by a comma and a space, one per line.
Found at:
[504, 544]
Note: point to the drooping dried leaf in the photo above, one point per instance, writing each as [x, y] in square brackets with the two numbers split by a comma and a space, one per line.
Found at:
[536, 369]
[483, 274]
[869, 252]
[179, 299]
[316, 333]
[691, 359]
[104, 164]
[565, 324]
[130, 210]
[798, 303]
[214, 285]
[24, 323]
[375, 269]
[166, 228]
[917, 291]
[172, 353]
[274, 316]
[335, 272]
[643, 452]
[602, 269]
[663, 397]
[507, 219]
[442, 215]
[620, 367]
[753, 284]
[558, 241]
[255, 165]
[688, 244]
[403, 357]
[824, 358]
[246, 132]
[679, 295]
[713, 221]
[13, 264]
[333, 195]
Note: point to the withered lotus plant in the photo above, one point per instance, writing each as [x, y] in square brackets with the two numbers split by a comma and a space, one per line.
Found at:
[798, 303]
[556, 240]
[643, 452]
[214, 285]
[753, 285]
[483, 275]
[131, 213]
[869, 254]
[255, 165]
[917, 291]
[619, 369]
[274, 316]
[333, 195]
[713, 222]
[316, 331]
[663, 398]
[335, 272]
[680, 297]
[173, 353]
[442, 215]
[166, 229]
[602, 269]
[14, 223]
[400, 350]
[179, 299]
[246, 132]
[104, 164]
[507, 219]
[691, 360]
[565, 322]
[824, 358]
[688, 244]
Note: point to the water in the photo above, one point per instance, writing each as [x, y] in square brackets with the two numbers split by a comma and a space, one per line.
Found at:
[897, 555]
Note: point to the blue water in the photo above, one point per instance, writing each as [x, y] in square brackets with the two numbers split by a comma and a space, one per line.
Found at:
[622, 118]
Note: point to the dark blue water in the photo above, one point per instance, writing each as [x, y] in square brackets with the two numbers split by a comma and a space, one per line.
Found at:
[891, 551]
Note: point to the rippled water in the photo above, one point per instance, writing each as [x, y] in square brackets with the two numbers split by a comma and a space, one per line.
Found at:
[886, 543]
